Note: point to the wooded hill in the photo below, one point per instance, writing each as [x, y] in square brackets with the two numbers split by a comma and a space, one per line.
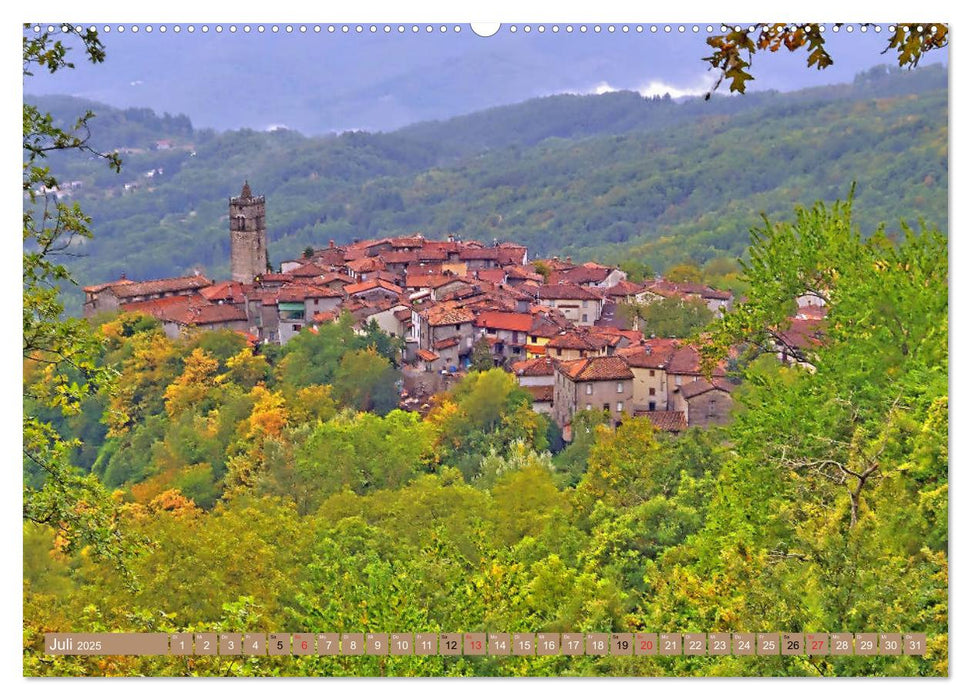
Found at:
[612, 177]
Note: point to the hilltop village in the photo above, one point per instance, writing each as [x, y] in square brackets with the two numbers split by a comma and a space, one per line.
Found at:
[557, 330]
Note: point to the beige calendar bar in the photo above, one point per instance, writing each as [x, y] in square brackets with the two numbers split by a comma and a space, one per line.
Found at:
[669, 644]
[117, 643]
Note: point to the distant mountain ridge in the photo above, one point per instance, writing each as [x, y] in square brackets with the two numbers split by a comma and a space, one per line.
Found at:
[609, 176]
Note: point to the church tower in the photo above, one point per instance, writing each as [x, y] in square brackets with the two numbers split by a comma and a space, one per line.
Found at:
[247, 235]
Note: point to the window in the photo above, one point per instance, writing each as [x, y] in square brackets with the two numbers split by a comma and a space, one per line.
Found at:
[297, 327]
[607, 406]
[620, 407]
[589, 388]
[584, 318]
[532, 339]
[650, 392]
[588, 407]
[677, 380]
[652, 406]
[652, 373]
[559, 352]
[620, 387]
[458, 327]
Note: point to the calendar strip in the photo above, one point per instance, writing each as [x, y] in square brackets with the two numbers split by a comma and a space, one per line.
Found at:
[488, 644]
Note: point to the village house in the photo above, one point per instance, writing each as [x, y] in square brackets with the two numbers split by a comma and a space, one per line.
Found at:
[182, 313]
[578, 304]
[536, 376]
[445, 330]
[649, 365]
[506, 332]
[110, 296]
[703, 402]
[592, 384]
[590, 274]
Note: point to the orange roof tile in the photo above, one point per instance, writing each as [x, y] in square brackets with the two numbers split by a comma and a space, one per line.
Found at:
[596, 369]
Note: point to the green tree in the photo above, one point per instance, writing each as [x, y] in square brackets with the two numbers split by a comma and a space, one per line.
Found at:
[482, 360]
[366, 381]
[671, 317]
[66, 348]
[734, 50]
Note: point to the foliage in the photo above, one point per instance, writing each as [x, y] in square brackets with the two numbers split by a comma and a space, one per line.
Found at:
[60, 354]
[910, 41]
[670, 317]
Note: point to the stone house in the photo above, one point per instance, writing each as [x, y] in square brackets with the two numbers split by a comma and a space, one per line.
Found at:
[593, 383]
[704, 402]
[579, 304]
[109, 296]
[446, 330]
[506, 332]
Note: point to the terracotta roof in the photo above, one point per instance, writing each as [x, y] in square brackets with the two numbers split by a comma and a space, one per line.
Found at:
[685, 360]
[446, 316]
[511, 254]
[521, 273]
[187, 310]
[298, 291]
[700, 386]
[335, 277]
[494, 275]
[624, 289]
[213, 313]
[596, 369]
[369, 285]
[160, 286]
[432, 253]
[670, 421]
[365, 265]
[425, 281]
[585, 274]
[538, 367]
[403, 314]
[504, 320]
[541, 393]
[470, 253]
[329, 256]
[544, 326]
[308, 270]
[642, 359]
[221, 291]
[280, 277]
[416, 241]
[574, 340]
[95, 288]
[446, 342]
[399, 257]
[427, 355]
[563, 291]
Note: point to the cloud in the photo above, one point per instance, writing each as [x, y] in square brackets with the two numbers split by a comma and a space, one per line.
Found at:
[658, 88]
[603, 87]
[135, 83]
[655, 88]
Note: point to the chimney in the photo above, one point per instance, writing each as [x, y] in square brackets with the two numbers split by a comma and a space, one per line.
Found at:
[569, 259]
[331, 242]
[123, 276]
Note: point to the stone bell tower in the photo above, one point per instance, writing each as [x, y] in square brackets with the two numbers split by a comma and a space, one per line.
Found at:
[247, 235]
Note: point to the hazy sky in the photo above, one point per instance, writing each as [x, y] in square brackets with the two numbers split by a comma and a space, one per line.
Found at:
[318, 82]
